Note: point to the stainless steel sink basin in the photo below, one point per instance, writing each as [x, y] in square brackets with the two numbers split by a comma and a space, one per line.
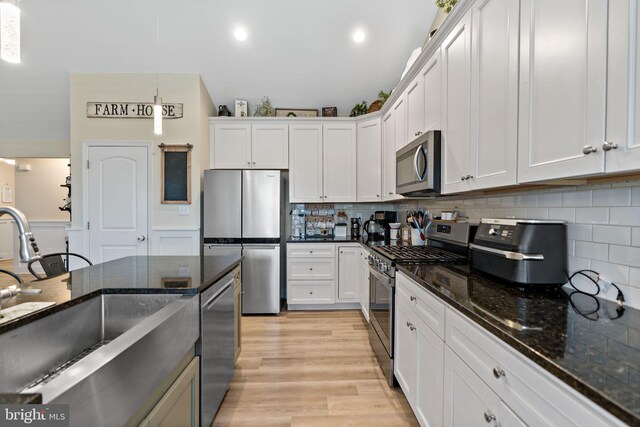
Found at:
[104, 356]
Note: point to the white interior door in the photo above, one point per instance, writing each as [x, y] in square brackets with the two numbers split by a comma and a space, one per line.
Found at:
[118, 202]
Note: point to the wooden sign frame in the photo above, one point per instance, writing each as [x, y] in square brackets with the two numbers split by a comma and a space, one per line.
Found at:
[176, 184]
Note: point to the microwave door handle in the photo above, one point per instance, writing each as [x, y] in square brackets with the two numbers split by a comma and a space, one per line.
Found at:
[415, 162]
[424, 171]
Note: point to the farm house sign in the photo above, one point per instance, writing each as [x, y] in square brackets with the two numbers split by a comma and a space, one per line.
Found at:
[131, 110]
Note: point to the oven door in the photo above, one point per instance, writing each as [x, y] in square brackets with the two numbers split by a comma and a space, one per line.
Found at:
[381, 307]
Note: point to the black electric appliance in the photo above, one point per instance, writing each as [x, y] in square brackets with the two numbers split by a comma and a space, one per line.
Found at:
[355, 228]
[418, 166]
[384, 218]
[382, 274]
[523, 251]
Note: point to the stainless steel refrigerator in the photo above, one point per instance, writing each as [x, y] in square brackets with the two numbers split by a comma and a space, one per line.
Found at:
[244, 214]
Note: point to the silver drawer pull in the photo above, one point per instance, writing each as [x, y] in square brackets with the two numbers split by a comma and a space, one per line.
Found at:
[410, 325]
[412, 298]
[498, 372]
[588, 149]
[488, 416]
[608, 145]
[310, 268]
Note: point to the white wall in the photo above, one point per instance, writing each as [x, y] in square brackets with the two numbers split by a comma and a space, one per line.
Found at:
[38, 192]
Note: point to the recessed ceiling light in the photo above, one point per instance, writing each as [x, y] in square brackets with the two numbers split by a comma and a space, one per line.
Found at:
[359, 36]
[240, 34]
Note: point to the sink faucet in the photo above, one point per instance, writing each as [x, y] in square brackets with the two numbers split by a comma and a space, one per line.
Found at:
[28, 247]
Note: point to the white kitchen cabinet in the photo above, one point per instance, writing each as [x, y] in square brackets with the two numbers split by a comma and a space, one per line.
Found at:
[348, 274]
[231, 146]
[305, 164]
[389, 157]
[311, 274]
[563, 71]
[339, 162]
[364, 282]
[400, 117]
[623, 88]
[405, 350]
[456, 93]
[415, 108]
[369, 180]
[432, 86]
[269, 146]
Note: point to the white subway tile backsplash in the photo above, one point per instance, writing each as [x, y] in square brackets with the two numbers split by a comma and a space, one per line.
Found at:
[634, 277]
[635, 236]
[494, 201]
[635, 196]
[576, 199]
[548, 200]
[625, 216]
[528, 201]
[576, 264]
[612, 234]
[565, 214]
[592, 215]
[612, 197]
[508, 201]
[500, 212]
[594, 251]
[571, 247]
[537, 213]
[518, 212]
[626, 255]
[579, 232]
[619, 274]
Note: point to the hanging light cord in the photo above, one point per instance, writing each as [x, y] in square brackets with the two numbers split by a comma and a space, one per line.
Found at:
[157, 47]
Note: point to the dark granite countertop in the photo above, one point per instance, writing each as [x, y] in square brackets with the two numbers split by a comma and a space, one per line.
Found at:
[20, 399]
[134, 275]
[598, 358]
[362, 240]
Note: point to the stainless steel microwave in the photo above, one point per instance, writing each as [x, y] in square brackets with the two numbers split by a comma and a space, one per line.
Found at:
[418, 166]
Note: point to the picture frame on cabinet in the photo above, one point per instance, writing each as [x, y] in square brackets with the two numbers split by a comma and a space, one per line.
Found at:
[242, 108]
[296, 112]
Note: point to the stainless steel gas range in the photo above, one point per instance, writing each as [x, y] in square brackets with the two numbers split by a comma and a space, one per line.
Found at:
[448, 242]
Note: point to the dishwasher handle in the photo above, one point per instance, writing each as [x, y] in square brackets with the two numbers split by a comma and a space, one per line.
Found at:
[212, 299]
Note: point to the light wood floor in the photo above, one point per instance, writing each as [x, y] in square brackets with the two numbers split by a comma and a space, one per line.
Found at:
[310, 369]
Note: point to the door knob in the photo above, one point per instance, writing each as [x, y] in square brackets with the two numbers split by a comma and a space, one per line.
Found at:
[141, 238]
[588, 149]
[609, 146]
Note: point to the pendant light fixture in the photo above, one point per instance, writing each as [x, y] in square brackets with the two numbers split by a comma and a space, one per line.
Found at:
[10, 31]
[157, 101]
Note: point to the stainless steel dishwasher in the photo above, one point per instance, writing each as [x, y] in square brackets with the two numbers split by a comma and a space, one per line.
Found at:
[216, 346]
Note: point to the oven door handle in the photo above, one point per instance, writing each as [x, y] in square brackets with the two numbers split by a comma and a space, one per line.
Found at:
[383, 278]
[518, 256]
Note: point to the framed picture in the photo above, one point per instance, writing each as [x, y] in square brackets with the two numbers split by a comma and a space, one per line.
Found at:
[176, 174]
[296, 112]
[242, 109]
[329, 111]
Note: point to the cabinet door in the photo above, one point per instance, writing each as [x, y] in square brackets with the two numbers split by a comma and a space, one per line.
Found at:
[405, 350]
[456, 70]
[340, 162]
[348, 274]
[623, 87]
[494, 93]
[415, 108]
[563, 49]
[389, 157]
[369, 161]
[400, 118]
[231, 146]
[364, 284]
[270, 146]
[467, 400]
[432, 89]
[507, 418]
[430, 377]
[305, 163]
[180, 405]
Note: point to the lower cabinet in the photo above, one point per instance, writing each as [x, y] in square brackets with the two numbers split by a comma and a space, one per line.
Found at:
[237, 312]
[180, 405]
[364, 282]
[311, 274]
[348, 274]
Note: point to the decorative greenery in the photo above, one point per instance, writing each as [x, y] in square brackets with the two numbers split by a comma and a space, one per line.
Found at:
[359, 109]
[264, 109]
[447, 5]
[383, 96]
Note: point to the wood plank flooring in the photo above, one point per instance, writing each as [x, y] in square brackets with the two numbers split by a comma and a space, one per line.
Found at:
[6, 280]
[310, 369]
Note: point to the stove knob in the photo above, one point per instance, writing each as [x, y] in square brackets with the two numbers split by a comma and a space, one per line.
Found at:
[493, 232]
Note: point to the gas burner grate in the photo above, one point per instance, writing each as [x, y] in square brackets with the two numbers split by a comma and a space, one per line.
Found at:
[418, 254]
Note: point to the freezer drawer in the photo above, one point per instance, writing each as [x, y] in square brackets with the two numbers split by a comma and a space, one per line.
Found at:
[261, 279]
[222, 250]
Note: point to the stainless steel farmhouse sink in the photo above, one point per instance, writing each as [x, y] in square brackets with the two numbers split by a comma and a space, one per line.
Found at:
[104, 356]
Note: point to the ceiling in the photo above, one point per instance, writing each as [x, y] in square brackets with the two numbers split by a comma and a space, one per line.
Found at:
[299, 52]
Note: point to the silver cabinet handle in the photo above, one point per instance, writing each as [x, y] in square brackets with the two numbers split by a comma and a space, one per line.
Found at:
[254, 163]
[498, 372]
[410, 325]
[507, 254]
[463, 178]
[311, 293]
[390, 193]
[588, 149]
[469, 176]
[412, 298]
[310, 268]
[607, 146]
[141, 238]
[377, 195]
[248, 163]
[488, 416]
[310, 252]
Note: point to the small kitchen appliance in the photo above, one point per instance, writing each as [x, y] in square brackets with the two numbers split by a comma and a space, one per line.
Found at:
[524, 251]
[384, 218]
[355, 228]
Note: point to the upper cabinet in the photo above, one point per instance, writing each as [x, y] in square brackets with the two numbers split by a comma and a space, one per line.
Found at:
[236, 145]
[389, 156]
[432, 86]
[563, 78]
[400, 117]
[369, 161]
[622, 146]
[323, 163]
[415, 108]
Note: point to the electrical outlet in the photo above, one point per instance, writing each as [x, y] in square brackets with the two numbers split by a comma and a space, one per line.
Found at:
[184, 210]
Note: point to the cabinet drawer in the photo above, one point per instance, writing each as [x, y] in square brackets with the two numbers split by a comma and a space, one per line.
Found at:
[311, 269]
[427, 306]
[310, 292]
[302, 250]
[535, 395]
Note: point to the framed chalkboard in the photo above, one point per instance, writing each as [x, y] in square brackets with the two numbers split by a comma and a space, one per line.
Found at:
[176, 174]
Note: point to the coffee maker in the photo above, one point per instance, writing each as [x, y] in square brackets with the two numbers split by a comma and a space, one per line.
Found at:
[384, 218]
